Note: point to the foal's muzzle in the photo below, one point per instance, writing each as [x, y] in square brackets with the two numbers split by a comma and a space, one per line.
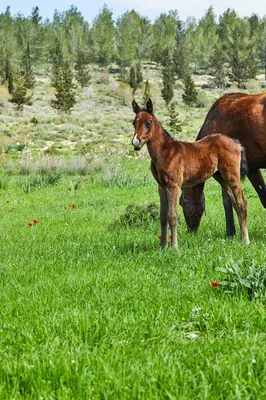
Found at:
[137, 143]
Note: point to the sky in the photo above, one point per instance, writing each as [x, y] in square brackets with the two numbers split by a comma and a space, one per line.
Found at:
[148, 8]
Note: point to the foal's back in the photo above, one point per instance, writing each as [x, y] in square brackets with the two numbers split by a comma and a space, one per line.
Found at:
[201, 159]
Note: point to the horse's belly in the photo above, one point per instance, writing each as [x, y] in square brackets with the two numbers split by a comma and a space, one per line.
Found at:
[198, 176]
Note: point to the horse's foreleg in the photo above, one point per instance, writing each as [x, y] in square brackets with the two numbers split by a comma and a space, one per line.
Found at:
[172, 195]
[258, 183]
[229, 216]
[163, 214]
[228, 209]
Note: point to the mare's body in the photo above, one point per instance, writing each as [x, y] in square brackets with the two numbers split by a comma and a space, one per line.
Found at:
[240, 116]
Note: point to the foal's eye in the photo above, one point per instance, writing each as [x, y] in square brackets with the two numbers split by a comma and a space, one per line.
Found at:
[148, 123]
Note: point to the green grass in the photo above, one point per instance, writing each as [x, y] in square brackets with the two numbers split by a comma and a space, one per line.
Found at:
[87, 313]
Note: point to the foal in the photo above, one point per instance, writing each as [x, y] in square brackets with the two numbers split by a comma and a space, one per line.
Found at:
[175, 165]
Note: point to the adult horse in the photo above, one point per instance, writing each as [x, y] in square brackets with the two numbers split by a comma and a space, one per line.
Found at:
[240, 116]
[176, 164]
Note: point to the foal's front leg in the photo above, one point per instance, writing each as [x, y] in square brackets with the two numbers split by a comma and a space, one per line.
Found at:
[163, 214]
[172, 196]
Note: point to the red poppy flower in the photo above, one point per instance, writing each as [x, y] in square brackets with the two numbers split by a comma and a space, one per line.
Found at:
[65, 207]
[73, 206]
[159, 237]
[145, 248]
[35, 221]
[29, 224]
[215, 284]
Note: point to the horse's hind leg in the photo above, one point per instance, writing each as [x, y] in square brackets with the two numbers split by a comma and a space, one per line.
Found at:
[228, 209]
[234, 191]
[163, 214]
[172, 195]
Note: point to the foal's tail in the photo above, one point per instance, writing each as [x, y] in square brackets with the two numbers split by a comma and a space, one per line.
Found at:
[243, 162]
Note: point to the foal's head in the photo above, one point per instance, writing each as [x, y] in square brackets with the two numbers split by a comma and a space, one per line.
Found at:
[143, 124]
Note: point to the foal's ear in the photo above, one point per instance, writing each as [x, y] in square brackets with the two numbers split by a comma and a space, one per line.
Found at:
[135, 106]
[149, 106]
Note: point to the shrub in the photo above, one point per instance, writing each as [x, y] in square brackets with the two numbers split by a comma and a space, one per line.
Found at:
[137, 216]
[239, 276]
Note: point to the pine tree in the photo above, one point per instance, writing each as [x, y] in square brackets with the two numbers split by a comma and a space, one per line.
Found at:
[139, 76]
[168, 82]
[218, 66]
[102, 32]
[174, 123]
[27, 69]
[81, 67]
[9, 77]
[190, 94]
[133, 78]
[147, 92]
[63, 83]
[19, 93]
[58, 63]
[180, 55]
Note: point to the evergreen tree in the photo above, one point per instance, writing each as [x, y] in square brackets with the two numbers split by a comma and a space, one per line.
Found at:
[27, 69]
[190, 94]
[262, 47]
[147, 92]
[163, 37]
[218, 65]
[139, 76]
[58, 63]
[240, 47]
[168, 81]
[9, 75]
[35, 16]
[63, 83]
[81, 67]
[103, 31]
[19, 93]
[174, 123]
[10, 81]
[180, 54]
[128, 39]
[133, 78]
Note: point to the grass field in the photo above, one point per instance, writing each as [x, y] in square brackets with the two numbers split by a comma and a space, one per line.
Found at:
[90, 306]
[93, 311]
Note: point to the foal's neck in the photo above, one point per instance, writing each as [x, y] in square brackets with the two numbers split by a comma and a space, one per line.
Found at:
[158, 141]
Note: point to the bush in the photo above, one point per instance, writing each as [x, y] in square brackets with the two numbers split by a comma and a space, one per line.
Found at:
[239, 276]
[137, 216]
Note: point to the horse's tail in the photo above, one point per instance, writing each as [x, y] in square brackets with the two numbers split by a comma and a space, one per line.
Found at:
[243, 162]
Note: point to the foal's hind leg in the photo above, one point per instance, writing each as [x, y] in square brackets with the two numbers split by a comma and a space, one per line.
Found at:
[232, 189]
[163, 214]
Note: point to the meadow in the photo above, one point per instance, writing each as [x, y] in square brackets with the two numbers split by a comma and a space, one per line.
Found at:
[90, 306]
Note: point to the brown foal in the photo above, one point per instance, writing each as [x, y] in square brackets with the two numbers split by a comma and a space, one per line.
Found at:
[176, 164]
